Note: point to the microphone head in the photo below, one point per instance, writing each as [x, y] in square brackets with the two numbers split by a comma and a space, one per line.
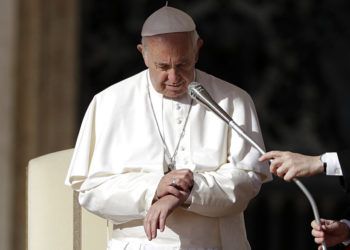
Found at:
[194, 88]
[198, 92]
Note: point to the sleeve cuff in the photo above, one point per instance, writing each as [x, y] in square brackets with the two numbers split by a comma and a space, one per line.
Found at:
[333, 165]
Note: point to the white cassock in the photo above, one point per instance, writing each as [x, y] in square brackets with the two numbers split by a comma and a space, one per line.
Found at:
[119, 160]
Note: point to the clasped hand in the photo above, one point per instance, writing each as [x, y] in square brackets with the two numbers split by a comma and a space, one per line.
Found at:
[330, 231]
[172, 191]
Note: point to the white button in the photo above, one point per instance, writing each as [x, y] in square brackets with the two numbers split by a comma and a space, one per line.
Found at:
[179, 121]
[178, 106]
[182, 148]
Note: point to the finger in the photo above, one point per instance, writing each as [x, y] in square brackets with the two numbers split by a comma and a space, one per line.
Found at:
[150, 227]
[146, 227]
[281, 171]
[275, 164]
[319, 240]
[183, 184]
[289, 175]
[162, 219]
[328, 222]
[154, 227]
[184, 174]
[317, 233]
[184, 171]
[315, 225]
[269, 155]
[173, 191]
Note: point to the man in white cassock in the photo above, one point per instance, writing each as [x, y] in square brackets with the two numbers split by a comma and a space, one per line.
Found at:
[164, 170]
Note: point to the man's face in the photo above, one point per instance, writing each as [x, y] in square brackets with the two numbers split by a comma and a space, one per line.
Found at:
[171, 59]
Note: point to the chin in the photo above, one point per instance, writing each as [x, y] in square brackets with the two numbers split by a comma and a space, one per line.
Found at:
[174, 95]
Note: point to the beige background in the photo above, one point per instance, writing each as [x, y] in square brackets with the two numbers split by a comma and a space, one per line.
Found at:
[38, 86]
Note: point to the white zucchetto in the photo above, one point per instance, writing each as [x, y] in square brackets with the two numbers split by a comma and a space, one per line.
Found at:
[167, 20]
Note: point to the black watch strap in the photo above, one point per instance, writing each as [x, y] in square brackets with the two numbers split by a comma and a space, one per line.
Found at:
[324, 163]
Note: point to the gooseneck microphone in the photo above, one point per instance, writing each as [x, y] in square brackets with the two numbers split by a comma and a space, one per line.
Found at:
[198, 92]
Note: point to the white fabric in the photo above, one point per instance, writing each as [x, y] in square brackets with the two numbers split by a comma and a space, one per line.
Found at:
[333, 164]
[172, 119]
[167, 20]
[119, 160]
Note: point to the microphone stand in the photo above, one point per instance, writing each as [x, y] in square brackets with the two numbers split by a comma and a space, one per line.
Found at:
[197, 92]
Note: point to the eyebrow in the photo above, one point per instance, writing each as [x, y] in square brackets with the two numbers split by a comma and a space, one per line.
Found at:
[162, 64]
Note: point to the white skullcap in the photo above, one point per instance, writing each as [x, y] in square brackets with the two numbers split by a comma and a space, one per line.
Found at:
[167, 20]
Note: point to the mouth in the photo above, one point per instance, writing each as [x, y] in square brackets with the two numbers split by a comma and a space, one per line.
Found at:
[175, 85]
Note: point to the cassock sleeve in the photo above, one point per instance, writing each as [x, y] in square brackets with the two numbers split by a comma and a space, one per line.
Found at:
[120, 197]
[229, 189]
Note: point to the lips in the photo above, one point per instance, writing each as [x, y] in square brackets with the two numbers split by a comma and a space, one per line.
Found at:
[175, 85]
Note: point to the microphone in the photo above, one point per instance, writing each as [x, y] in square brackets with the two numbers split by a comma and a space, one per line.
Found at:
[198, 92]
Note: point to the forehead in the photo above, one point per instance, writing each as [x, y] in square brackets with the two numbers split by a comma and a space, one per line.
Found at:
[173, 44]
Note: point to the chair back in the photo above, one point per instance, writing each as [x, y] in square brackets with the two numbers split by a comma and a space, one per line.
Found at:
[55, 219]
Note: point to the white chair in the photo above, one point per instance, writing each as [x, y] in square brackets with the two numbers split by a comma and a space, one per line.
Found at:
[55, 220]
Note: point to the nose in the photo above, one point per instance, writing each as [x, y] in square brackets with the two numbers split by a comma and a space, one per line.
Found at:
[172, 75]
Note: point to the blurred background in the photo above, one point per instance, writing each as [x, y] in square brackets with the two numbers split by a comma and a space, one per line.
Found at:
[293, 57]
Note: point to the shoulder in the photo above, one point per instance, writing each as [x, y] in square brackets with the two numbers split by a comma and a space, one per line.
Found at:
[123, 89]
[219, 88]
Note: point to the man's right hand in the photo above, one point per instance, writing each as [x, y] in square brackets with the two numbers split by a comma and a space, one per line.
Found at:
[174, 183]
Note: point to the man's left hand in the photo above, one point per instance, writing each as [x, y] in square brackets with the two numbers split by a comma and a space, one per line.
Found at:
[158, 213]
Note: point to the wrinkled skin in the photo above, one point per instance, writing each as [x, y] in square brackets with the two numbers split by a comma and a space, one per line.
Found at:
[289, 165]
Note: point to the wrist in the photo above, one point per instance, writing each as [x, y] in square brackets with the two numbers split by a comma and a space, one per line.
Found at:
[316, 165]
[155, 197]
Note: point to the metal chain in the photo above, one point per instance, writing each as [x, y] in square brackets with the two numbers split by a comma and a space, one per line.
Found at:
[171, 158]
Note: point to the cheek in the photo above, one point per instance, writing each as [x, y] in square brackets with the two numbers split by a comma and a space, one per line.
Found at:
[158, 78]
[188, 77]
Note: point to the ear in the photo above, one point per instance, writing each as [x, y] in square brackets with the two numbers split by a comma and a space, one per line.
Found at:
[199, 46]
[141, 49]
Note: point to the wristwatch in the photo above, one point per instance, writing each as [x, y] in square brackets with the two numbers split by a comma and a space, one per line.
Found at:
[322, 158]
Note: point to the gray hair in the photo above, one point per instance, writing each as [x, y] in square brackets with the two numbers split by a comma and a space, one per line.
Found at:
[194, 39]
